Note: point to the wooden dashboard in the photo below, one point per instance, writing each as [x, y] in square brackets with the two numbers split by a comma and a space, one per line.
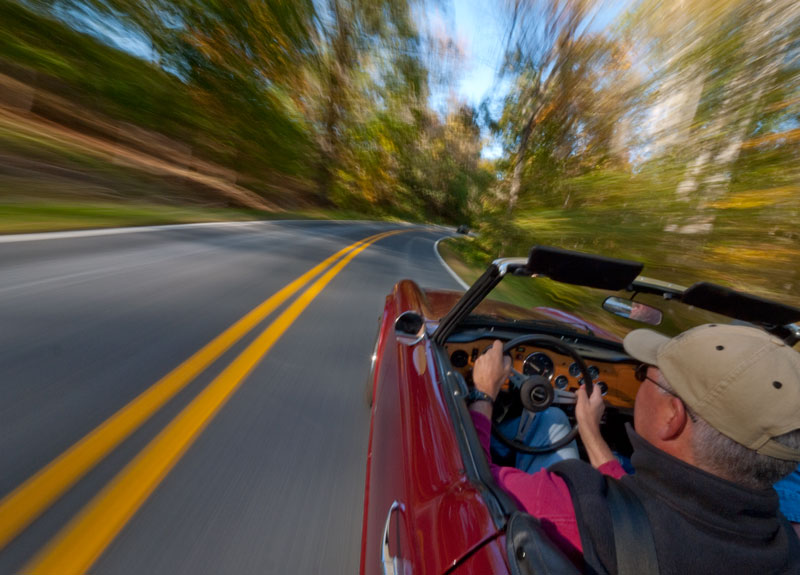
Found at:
[617, 379]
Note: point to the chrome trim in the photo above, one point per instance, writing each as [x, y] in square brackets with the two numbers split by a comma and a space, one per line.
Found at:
[550, 375]
[389, 564]
[503, 264]
[655, 283]
[794, 334]
[561, 382]
[408, 338]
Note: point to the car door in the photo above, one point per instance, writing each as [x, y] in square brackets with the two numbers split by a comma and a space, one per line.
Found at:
[422, 513]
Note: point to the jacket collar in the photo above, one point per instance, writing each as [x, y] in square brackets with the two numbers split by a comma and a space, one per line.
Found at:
[697, 494]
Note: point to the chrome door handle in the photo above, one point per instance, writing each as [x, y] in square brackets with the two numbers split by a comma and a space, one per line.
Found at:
[389, 563]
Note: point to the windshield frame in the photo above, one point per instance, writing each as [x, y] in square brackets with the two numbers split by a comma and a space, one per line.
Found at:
[710, 303]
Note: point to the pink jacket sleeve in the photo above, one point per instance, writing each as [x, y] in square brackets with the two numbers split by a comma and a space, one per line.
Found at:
[543, 494]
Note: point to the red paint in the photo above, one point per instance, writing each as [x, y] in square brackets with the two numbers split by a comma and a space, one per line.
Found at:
[414, 459]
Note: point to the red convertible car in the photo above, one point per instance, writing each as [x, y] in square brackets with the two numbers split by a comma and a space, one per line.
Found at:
[431, 505]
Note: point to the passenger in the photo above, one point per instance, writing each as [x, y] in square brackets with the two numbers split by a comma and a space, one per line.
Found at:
[717, 422]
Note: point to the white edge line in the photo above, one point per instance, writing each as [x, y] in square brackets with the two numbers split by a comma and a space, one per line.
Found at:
[447, 267]
[14, 238]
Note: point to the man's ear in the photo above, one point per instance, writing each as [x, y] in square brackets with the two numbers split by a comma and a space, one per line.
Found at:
[675, 420]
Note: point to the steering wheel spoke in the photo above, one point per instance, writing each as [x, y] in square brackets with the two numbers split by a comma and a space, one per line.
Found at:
[564, 397]
[516, 379]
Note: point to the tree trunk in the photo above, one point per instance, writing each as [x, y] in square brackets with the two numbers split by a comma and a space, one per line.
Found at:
[708, 176]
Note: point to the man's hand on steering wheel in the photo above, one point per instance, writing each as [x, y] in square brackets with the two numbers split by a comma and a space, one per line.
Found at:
[589, 412]
[490, 371]
[535, 393]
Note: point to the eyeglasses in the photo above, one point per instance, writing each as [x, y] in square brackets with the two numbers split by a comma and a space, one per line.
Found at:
[641, 374]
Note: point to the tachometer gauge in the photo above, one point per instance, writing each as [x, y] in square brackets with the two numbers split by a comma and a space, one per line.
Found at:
[538, 363]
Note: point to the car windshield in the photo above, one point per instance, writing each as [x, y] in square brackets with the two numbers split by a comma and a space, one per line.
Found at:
[580, 309]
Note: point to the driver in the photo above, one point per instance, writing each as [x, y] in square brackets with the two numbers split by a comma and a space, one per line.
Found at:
[717, 420]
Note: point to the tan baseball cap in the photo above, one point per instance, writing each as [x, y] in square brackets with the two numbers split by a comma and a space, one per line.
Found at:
[741, 380]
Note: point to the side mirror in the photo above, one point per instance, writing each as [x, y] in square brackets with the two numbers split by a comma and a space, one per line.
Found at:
[409, 328]
[633, 310]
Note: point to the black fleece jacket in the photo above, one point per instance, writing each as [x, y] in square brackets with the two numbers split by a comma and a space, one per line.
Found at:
[700, 522]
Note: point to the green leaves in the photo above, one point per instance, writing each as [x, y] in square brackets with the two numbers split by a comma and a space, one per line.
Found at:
[303, 101]
[671, 135]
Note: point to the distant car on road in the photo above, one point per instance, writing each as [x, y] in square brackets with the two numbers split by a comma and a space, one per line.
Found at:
[463, 229]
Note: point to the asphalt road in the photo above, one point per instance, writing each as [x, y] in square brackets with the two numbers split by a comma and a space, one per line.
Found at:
[263, 475]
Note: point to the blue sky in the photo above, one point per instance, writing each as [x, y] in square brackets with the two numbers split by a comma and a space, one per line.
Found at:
[480, 26]
[477, 27]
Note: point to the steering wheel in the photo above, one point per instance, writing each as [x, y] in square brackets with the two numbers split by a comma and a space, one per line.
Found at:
[536, 393]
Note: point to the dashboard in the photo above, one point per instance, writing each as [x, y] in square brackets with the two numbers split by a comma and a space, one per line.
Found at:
[616, 379]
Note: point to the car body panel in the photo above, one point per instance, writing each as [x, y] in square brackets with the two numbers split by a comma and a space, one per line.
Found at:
[415, 456]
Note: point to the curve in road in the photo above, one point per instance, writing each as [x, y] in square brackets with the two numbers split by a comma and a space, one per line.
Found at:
[210, 475]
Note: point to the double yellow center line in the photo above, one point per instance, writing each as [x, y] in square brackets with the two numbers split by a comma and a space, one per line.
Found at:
[76, 547]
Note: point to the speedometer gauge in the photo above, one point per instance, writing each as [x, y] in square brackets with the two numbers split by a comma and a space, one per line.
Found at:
[538, 363]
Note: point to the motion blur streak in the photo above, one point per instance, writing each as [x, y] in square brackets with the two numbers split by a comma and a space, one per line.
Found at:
[20, 507]
[81, 542]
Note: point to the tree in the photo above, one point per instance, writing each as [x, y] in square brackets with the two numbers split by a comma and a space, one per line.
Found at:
[731, 60]
[353, 33]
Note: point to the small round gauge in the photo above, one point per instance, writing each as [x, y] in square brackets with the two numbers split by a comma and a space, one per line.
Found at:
[594, 372]
[459, 358]
[538, 363]
[575, 370]
[561, 382]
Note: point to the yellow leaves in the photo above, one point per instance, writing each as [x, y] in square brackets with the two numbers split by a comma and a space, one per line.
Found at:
[787, 137]
[757, 198]
[212, 43]
[545, 112]
[783, 105]
[756, 256]
[387, 144]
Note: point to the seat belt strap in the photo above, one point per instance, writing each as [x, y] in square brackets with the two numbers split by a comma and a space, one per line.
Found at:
[633, 538]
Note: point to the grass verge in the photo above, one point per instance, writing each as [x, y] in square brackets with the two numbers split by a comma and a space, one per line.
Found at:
[28, 217]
